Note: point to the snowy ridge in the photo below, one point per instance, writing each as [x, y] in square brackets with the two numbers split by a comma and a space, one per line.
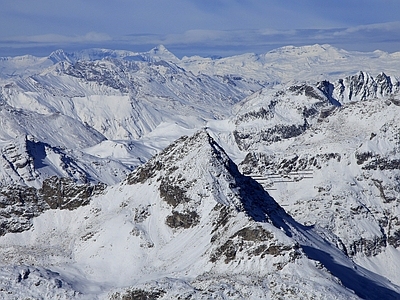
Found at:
[340, 170]
[307, 63]
[314, 129]
[156, 245]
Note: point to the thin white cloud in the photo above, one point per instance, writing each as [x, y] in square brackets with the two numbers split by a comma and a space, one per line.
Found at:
[382, 27]
[90, 37]
[382, 36]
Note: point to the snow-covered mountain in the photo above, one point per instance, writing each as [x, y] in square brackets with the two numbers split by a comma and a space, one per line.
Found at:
[122, 175]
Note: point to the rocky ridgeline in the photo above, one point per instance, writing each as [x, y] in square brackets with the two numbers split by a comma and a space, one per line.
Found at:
[196, 168]
[19, 204]
[307, 105]
[201, 188]
[195, 172]
[359, 141]
[363, 86]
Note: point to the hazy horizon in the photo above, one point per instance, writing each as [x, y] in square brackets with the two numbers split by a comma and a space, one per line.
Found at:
[193, 27]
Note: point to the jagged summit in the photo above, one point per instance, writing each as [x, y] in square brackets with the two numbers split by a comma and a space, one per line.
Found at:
[188, 218]
[80, 195]
[199, 168]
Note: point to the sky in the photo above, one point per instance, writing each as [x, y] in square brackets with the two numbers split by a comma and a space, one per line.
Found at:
[197, 27]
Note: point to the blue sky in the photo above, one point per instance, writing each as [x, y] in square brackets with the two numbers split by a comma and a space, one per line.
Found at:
[204, 27]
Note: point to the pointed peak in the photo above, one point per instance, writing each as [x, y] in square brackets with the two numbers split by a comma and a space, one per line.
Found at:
[160, 52]
[191, 162]
[159, 49]
[188, 153]
[195, 169]
[58, 56]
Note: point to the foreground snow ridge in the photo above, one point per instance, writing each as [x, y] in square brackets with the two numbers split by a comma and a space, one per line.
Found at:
[186, 223]
[143, 176]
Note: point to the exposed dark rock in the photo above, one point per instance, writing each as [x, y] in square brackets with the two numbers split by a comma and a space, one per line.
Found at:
[141, 214]
[382, 163]
[394, 239]
[363, 157]
[327, 89]
[98, 72]
[144, 172]
[172, 194]
[384, 84]
[223, 216]
[182, 220]
[255, 241]
[138, 294]
[307, 90]
[262, 113]
[64, 193]
[260, 163]
[325, 113]
[381, 188]
[368, 247]
[254, 234]
[269, 135]
[309, 112]
[363, 86]
[19, 204]
[228, 250]
[276, 250]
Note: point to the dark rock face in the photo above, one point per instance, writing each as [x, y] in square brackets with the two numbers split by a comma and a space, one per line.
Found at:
[143, 173]
[172, 194]
[182, 220]
[262, 113]
[394, 239]
[306, 90]
[368, 247]
[63, 193]
[260, 163]
[363, 86]
[256, 241]
[254, 234]
[19, 204]
[269, 135]
[272, 113]
[138, 294]
[98, 72]
[382, 163]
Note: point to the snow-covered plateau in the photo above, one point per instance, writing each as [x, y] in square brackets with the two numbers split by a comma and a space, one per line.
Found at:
[131, 175]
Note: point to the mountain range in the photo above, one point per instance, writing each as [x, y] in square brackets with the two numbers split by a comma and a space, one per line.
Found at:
[130, 175]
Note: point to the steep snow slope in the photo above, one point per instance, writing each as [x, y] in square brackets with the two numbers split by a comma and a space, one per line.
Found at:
[186, 223]
[123, 100]
[336, 167]
[73, 106]
[319, 134]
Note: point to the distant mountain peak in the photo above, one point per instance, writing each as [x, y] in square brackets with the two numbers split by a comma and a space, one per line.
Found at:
[161, 52]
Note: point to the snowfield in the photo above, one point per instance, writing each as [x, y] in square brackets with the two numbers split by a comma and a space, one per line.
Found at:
[144, 176]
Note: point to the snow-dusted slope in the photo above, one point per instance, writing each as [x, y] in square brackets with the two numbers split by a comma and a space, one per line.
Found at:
[315, 126]
[85, 98]
[336, 167]
[185, 224]
[307, 63]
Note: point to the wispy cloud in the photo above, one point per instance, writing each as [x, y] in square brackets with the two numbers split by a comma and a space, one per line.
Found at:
[381, 36]
[58, 38]
[391, 27]
[220, 27]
